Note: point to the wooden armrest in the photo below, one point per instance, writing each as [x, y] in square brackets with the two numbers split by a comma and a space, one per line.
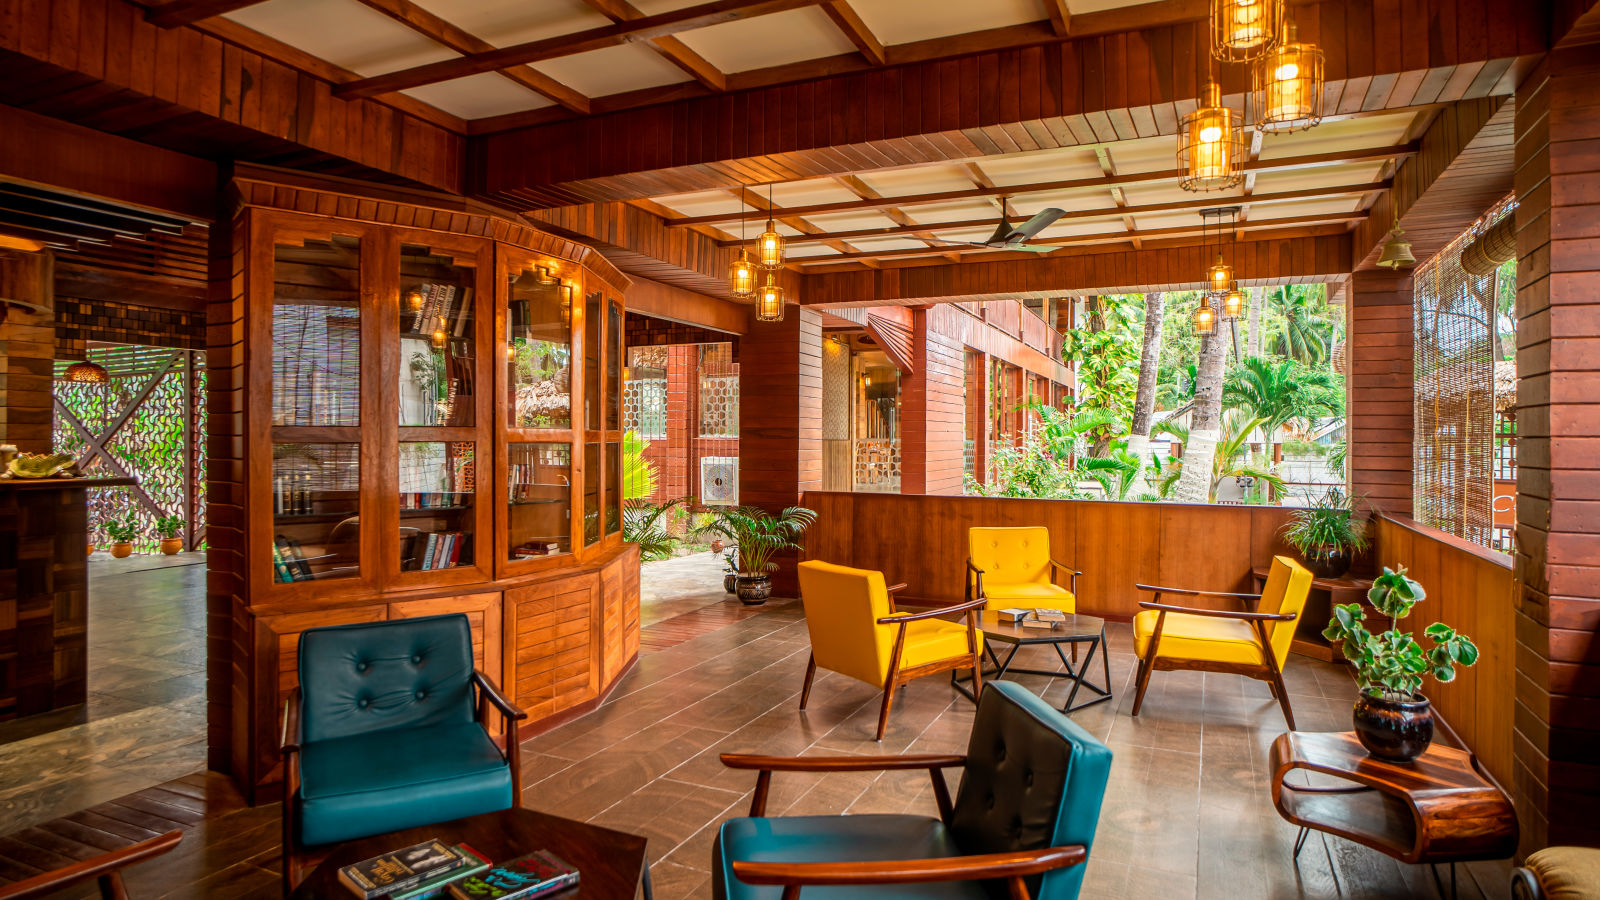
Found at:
[1193, 593]
[1014, 864]
[841, 763]
[933, 613]
[492, 692]
[895, 587]
[973, 568]
[1064, 567]
[289, 740]
[1218, 613]
[106, 865]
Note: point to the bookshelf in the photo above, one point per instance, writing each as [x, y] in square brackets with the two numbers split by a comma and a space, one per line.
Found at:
[416, 411]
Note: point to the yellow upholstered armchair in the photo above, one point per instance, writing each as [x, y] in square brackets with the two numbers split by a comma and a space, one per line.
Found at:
[1012, 567]
[1253, 642]
[856, 631]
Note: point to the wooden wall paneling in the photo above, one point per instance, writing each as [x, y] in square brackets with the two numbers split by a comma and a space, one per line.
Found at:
[932, 415]
[1379, 386]
[44, 595]
[551, 645]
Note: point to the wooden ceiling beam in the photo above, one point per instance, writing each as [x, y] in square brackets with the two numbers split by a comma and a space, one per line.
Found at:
[992, 190]
[670, 48]
[428, 25]
[1060, 17]
[616, 34]
[851, 26]
[186, 12]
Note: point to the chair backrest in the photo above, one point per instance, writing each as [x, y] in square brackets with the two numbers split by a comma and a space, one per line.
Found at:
[374, 676]
[1288, 586]
[1011, 555]
[1033, 779]
[843, 606]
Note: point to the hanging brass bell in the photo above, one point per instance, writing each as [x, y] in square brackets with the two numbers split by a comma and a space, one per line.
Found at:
[1396, 251]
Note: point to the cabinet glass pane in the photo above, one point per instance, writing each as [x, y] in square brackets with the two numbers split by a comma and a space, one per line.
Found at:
[316, 333]
[614, 487]
[437, 483]
[437, 350]
[591, 493]
[540, 516]
[315, 511]
[592, 398]
[613, 367]
[539, 350]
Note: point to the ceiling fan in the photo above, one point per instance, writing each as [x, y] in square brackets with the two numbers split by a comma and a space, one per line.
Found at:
[1007, 238]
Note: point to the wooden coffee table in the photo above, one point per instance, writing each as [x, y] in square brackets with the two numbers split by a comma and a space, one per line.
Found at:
[1077, 629]
[611, 864]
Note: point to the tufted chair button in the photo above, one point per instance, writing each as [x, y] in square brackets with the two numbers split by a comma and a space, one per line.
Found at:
[361, 667]
[422, 695]
[416, 659]
[1027, 778]
[363, 703]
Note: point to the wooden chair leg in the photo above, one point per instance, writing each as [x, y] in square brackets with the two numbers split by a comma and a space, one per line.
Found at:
[888, 701]
[811, 672]
[1146, 667]
[1282, 695]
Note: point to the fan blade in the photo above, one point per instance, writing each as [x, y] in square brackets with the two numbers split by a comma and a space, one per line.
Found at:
[1034, 225]
[1002, 232]
[1031, 248]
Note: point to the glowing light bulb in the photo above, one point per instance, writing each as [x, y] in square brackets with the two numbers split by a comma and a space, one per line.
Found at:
[1286, 72]
[1211, 134]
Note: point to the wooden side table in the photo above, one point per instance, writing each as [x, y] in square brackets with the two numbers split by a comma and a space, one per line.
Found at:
[1440, 808]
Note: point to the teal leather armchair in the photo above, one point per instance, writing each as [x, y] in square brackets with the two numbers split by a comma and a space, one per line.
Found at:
[387, 731]
[1022, 823]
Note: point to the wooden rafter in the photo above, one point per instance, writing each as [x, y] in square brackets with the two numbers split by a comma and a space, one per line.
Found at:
[851, 25]
[670, 48]
[660, 25]
[1060, 16]
[754, 199]
[460, 40]
[1268, 165]
[185, 12]
[866, 192]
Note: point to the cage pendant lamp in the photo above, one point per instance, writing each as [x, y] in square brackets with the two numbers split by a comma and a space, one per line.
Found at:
[1205, 316]
[1244, 30]
[1219, 276]
[1287, 88]
[769, 246]
[769, 302]
[1211, 146]
[742, 273]
[1233, 302]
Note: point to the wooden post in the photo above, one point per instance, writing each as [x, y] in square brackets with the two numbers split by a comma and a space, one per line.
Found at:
[27, 349]
[1379, 390]
[931, 436]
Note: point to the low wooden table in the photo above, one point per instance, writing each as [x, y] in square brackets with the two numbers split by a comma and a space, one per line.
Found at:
[1437, 809]
[1325, 594]
[611, 864]
[1077, 629]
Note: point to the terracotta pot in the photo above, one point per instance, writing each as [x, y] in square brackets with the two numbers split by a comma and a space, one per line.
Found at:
[171, 546]
[122, 549]
[1328, 562]
[730, 583]
[1394, 730]
[717, 544]
[91, 549]
[754, 589]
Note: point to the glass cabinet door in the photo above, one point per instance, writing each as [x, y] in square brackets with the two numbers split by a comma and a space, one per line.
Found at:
[438, 353]
[539, 350]
[539, 515]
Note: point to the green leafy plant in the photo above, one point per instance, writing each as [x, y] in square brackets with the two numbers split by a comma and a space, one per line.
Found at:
[1391, 665]
[1330, 521]
[760, 535]
[123, 531]
[168, 527]
[650, 526]
[639, 476]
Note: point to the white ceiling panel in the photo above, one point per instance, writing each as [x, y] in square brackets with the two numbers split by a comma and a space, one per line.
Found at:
[1078, 7]
[705, 203]
[904, 21]
[1318, 177]
[808, 192]
[1169, 192]
[656, 7]
[850, 221]
[344, 33]
[801, 251]
[1075, 199]
[507, 22]
[1053, 165]
[1311, 206]
[1347, 134]
[956, 211]
[1186, 219]
[1077, 227]
[887, 243]
[1158, 154]
[918, 180]
[774, 40]
[476, 96]
[628, 67]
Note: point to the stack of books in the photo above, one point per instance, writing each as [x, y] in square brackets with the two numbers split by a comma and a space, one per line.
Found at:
[441, 550]
[433, 869]
[1044, 618]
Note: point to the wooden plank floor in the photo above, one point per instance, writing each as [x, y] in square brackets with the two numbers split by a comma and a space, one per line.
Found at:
[1187, 813]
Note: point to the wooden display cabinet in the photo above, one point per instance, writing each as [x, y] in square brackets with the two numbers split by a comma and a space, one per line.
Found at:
[425, 399]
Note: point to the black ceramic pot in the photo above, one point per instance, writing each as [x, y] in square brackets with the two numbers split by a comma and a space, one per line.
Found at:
[1328, 562]
[730, 583]
[1394, 730]
[755, 589]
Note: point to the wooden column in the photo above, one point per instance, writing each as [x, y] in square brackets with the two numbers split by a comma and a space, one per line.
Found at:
[780, 418]
[27, 349]
[931, 414]
[1379, 388]
[682, 422]
[1558, 448]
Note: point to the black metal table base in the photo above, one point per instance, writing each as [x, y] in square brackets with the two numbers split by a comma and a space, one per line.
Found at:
[1077, 675]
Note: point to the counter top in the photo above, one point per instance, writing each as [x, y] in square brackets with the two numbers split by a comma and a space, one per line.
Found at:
[39, 484]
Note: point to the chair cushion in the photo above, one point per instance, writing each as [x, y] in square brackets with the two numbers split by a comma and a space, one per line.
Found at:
[1206, 638]
[835, 839]
[1567, 873]
[387, 780]
[1029, 595]
[932, 640]
[377, 676]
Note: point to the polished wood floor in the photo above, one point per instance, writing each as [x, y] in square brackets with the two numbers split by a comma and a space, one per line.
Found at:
[1187, 814]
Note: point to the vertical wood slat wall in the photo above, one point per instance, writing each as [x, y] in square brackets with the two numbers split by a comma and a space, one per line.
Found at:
[1379, 390]
[932, 415]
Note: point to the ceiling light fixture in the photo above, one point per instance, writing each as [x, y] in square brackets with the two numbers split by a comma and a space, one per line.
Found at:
[1205, 318]
[742, 274]
[769, 246]
[86, 372]
[1211, 145]
[1287, 89]
[1244, 30]
[769, 302]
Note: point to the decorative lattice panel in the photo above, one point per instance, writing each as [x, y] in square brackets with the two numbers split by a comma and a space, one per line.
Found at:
[877, 465]
[719, 392]
[644, 407]
[835, 390]
[1454, 455]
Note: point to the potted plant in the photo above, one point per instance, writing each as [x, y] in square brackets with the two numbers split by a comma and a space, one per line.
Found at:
[758, 536]
[1393, 720]
[730, 572]
[167, 528]
[1327, 534]
[122, 534]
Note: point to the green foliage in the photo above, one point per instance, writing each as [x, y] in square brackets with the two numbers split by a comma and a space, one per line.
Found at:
[1282, 391]
[650, 526]
[1303, 331]
[123, 531]
[1116, 473]
[760, 535]
[1108, 370]
[1230, 460]
[639, 478]
[1392, 664]
[1030, 470]
[1328, 522]
[1337, 456]
[169, 526]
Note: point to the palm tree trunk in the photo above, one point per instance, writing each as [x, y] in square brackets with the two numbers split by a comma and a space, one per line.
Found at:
[1255, 321]
[1144, 401]
[1205, 424]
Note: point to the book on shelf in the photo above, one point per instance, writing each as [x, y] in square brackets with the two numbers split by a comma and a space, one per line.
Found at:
[280, 568]
[427, 553]
[528, 876]
[439, 885]
[401, 870]
[295, 564]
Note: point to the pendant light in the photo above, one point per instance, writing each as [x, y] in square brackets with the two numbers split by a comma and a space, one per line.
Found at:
[86, 372]
[769, 246]
[1211, 145]
[1287, 89]
[742, 274]
[1205, 318]
[1244, 30]
[1233, 302]
[769, 302]
[1220, 275]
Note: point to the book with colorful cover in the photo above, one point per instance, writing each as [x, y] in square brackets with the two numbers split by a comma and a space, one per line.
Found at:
[400, 870]
[440, 886]
[528, 876]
